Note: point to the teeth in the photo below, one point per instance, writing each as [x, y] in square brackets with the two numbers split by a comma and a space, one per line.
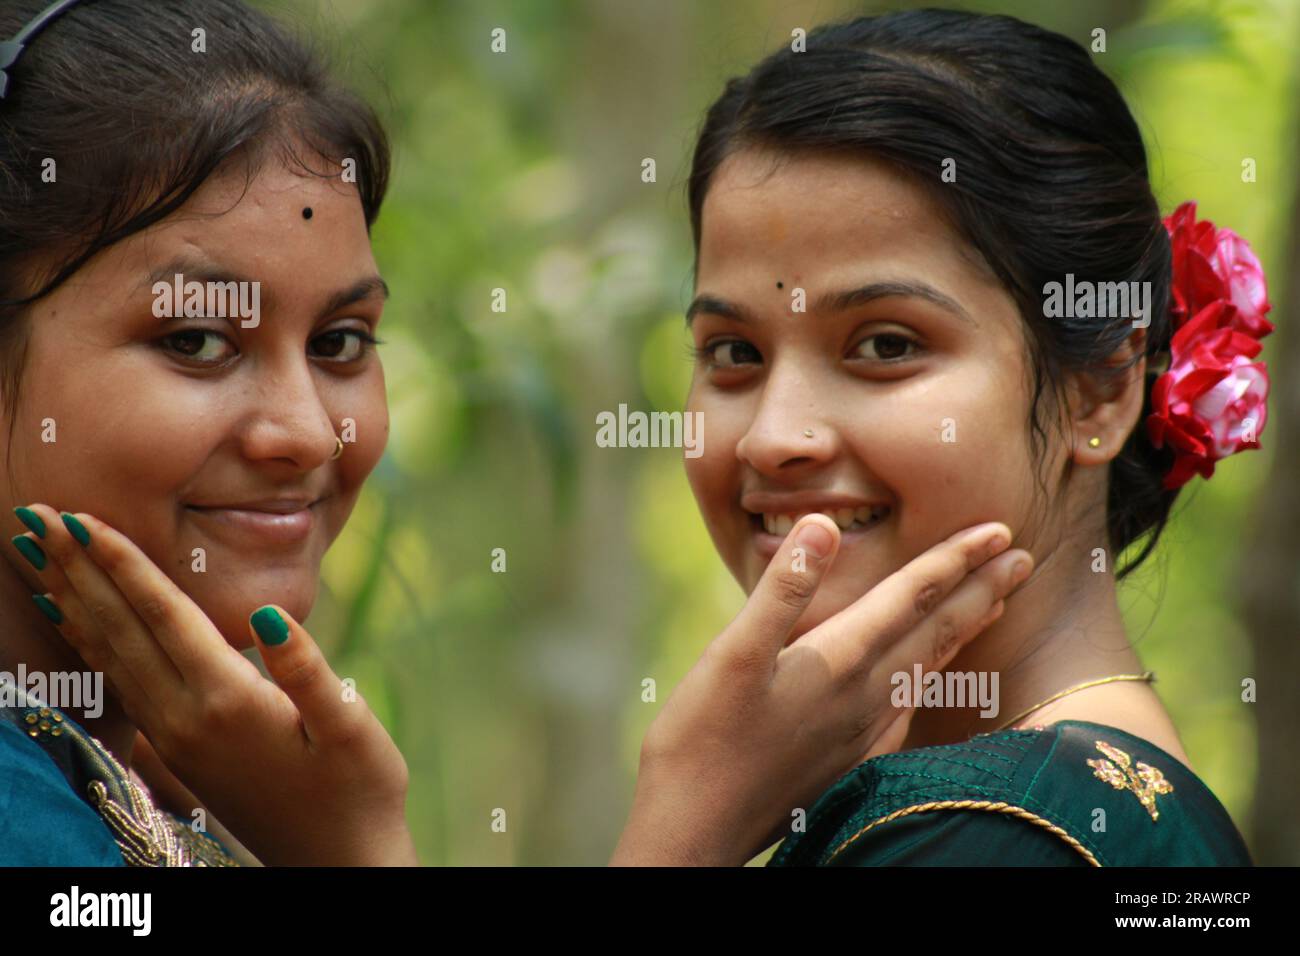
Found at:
[846, 518]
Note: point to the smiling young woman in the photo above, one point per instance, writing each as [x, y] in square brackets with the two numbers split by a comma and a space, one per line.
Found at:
[209, 442]
[876, 219]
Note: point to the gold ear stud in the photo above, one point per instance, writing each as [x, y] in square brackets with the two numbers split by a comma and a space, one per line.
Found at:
[1094, 442]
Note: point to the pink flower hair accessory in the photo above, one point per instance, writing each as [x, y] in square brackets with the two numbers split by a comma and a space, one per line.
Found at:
[1211, 403]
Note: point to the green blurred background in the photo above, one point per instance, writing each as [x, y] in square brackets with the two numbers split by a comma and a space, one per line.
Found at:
[522, 690]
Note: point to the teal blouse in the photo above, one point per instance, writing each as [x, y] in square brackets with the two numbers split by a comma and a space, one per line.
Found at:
[1073, 794]
[65, 801]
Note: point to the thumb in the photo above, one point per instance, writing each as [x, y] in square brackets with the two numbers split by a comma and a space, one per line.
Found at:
[787, 587]
[296, 664]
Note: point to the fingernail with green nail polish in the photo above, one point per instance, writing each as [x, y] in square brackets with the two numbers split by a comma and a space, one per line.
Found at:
[76, 527]
[30, 550]
[33, 521]
[48, 608]
[270, 626]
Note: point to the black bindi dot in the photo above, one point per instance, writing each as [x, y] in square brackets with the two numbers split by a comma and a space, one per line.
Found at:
[780, 285]
[306, 212]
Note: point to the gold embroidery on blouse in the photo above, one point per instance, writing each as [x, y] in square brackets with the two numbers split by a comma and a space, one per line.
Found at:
[1145, 783]
[989, 805]
[145, 835]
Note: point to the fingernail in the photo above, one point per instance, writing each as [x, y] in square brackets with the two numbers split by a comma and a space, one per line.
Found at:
[814, 539]
[33, 521]
[1020, 570]
[48, 608]
[983, 531]
[996, 543]
[76, 527]
[30, 550]
[270, 626]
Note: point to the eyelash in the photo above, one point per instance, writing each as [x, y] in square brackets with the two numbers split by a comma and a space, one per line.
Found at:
[368, 343]
[705, 353]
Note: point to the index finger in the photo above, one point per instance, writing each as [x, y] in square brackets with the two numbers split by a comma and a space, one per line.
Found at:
[184, 633]
[901, 601]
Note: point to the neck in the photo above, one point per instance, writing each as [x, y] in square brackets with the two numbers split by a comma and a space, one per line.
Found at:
[32, 640]
[1060, 629]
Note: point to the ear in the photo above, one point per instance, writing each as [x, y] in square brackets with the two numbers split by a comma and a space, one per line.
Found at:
[1107, 409]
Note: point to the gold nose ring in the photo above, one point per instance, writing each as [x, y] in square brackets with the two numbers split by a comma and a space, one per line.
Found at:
[338, 447]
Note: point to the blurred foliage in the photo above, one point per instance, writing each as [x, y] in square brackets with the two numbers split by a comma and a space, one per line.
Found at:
[522, 691]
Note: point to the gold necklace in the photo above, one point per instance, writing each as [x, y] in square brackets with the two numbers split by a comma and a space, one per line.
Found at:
[1145, 676]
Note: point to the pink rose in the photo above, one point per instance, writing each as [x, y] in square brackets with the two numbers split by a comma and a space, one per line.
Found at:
[1211, 403]
[1210, 264]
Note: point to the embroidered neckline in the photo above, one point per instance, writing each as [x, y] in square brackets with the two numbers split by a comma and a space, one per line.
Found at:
[145, 835]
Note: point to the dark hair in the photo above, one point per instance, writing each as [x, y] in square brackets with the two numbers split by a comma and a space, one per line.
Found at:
[136, 120]
[1051, 179]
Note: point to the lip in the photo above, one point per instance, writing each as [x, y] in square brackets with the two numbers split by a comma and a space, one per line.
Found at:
[800, 503]
[274, 521]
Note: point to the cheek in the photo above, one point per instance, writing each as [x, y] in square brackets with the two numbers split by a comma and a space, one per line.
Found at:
[93, 445]
[361, 419]
[713, 475]
[362, 422]
[364, 428]
[954, 463]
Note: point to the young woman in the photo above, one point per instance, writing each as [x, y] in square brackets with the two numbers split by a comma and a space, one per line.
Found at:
[885, 223]
[180, 472]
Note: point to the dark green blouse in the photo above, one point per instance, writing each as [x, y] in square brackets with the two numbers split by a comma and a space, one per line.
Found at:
[1073, 794]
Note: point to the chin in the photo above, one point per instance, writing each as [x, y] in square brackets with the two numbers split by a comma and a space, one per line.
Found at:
[231, 618]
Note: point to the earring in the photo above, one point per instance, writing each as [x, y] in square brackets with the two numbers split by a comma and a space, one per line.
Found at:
[338, 447]
[807, 433]
[1094, 442]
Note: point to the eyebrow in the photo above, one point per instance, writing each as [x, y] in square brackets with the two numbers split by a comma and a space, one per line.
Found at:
[839, 301]
[200, 270]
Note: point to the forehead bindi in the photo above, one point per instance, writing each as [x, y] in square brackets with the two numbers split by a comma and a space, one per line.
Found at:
[823, 222]
[286, 225]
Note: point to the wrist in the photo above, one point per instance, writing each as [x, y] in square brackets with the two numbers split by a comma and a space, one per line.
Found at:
[382, 846]
[664, 831]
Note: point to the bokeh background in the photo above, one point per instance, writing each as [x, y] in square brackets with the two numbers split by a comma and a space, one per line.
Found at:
[523, 690]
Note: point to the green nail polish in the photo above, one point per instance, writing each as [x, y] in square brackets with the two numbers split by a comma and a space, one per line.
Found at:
[76, 527]
[30, 550]
[270, 626]
[33, 521]
[48, 608]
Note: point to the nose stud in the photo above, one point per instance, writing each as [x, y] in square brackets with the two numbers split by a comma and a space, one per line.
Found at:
[338, 447]
[807, 433]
